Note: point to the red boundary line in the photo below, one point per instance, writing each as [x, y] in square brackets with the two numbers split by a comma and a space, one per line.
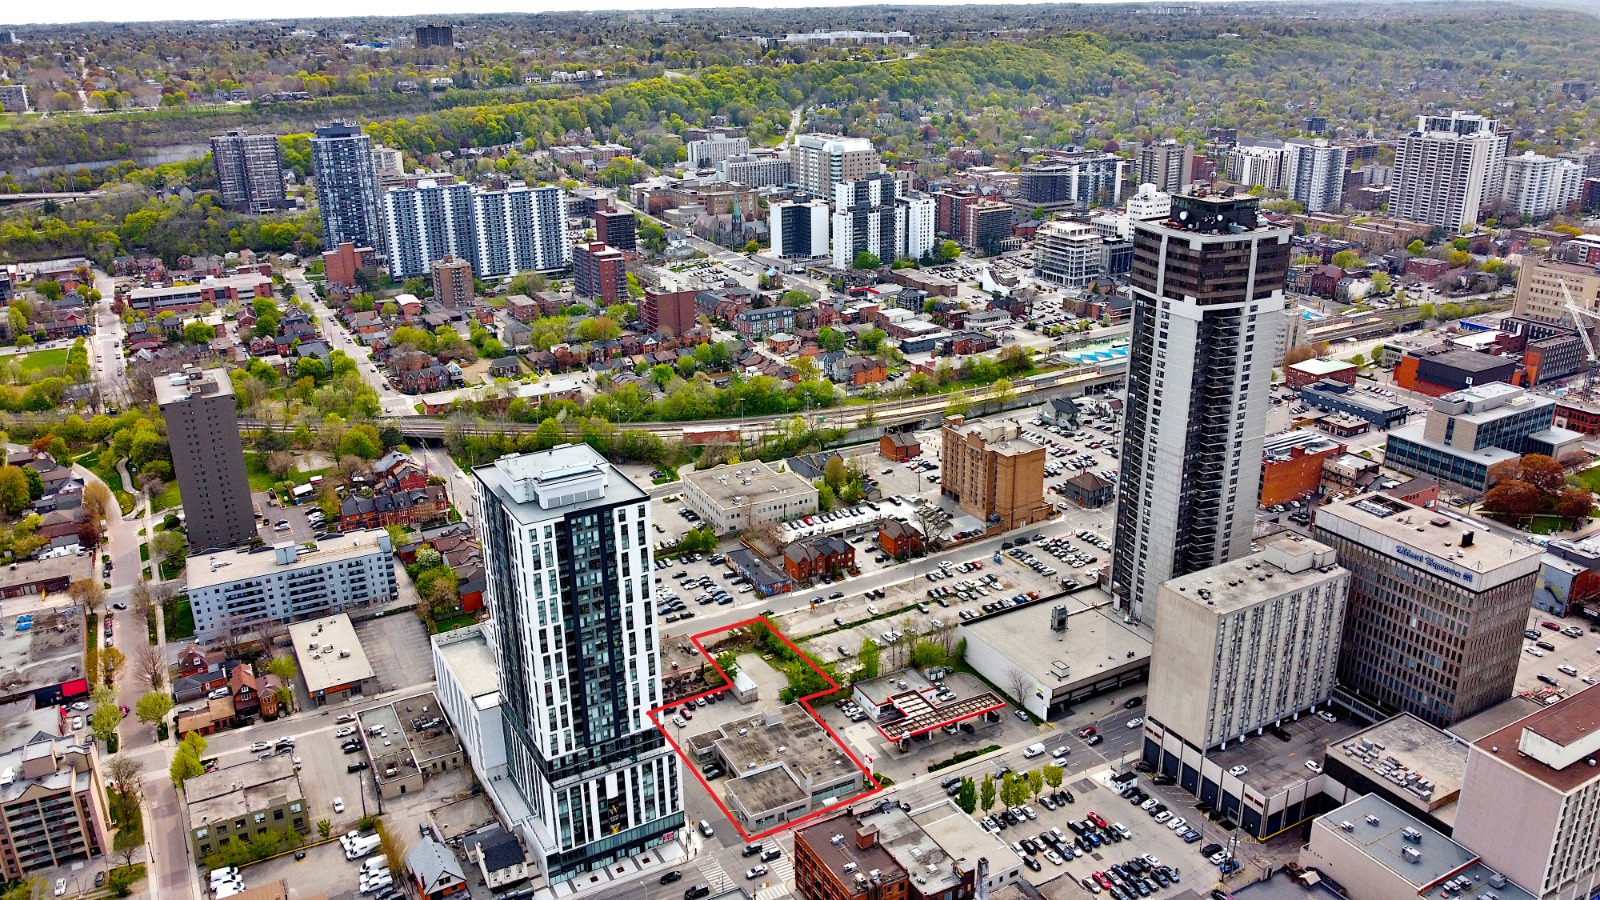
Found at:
[803, 701]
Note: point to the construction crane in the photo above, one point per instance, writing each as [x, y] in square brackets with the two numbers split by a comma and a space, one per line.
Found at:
[1578, 314]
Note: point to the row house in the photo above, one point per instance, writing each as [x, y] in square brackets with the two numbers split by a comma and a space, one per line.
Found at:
[427, 379]
[899, 539]
[757, 324]
[859, 371]
[969, 342]
[809, 559]
[409, 508]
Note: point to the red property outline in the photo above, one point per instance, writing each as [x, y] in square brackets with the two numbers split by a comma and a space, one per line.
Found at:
[803, 701]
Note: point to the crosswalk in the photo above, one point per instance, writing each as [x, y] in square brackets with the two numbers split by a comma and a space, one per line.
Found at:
[771, 886]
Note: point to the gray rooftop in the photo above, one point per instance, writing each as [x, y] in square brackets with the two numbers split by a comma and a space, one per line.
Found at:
[1095, 643]
[765, 790]
[229, 566]
[1406, 745]
[1277, 765]
[1490, 560]
[236, 790]
[560, 481]
[320, 646]
[466, 651]
[1256, 578]
[749, 480]
[1376, 831]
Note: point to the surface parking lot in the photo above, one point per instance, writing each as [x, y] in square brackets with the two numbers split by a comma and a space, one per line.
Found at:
[1572, 663]
[396, 644]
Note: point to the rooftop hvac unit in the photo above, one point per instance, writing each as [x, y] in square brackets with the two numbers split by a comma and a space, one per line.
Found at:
[1372, 820]
[1411, 854]
[1411, 835]
[1347, 826]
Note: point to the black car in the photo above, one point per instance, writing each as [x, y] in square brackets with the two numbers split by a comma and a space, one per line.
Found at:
[670, 877]
[1031, 863]
[1142, 766]
[836, 595]
[1210, 849]
[1133, 703]
[352, 747]
[696, 892]
[99, 879]
[356, 766]
[1163, 780]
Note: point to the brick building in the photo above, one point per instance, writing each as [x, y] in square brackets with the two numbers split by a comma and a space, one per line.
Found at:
[808, 559]
[452, 282]
[899, 539]
[598, 272]
[618, 229]
[996, 475]
[1291, 465]
[343, 264]
[899, 446]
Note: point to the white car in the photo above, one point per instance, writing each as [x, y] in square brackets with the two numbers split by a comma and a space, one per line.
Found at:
[1314, 767]
[1150, 858]
[756, 872]
[1054, 857]
[345, 731]
[1163, 816]
[338, 804]
[77, 723]
[1135, 722]
[1236, 771]
[259, 746]
[61, 886]
[1177, 823]
[1533, 650]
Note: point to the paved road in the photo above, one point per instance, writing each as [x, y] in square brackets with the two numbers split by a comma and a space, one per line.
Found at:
[390, 402]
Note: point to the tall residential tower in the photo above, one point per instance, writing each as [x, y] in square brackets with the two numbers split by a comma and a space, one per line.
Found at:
[566, 545]
[347, 186]
[207, 456]
[249, 172]
[1207, 307]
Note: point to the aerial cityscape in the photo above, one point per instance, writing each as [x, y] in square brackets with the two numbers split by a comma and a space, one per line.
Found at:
[1032, 452]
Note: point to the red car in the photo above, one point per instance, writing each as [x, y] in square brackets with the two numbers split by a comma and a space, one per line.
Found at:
[1101, 879]
[1097, 819]
[1086, 732]
[1550, 625]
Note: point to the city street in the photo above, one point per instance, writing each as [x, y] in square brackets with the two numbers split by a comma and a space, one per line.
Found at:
[391, 402]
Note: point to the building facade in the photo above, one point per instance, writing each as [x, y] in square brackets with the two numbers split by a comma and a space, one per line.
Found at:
[1470, 431]
[1166, 164]
[1546, 286]
[426, 223]
[821, 161]
[566, 542]
[1080, 181]
[735, 498]
[598, 271]
[994, 473]
[800, 230]
[347, 187]
[249, 172]
[874, 215]
[52, 811]
[1531, 799]
[1068, 253]
[669, 313]
[207, 457]
[1236, 651]
[520, 229]
[1208, 298]
[617, 228]
[234, 593]
[1539, 186]
[1265, 164]
[1437, 608]
[452, 282]
[1314, 174]
[1446, 170]
[706, 153]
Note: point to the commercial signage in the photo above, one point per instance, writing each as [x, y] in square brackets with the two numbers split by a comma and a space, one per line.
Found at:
[1436, 566]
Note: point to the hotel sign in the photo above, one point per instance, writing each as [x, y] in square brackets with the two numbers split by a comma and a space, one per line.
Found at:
[1436, 566]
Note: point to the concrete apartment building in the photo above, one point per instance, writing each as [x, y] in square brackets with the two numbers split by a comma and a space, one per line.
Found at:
[347, 186]
[207, 457]
[1314, 173]
[617, 228]
[469, 690]
[1264, 163]
[707, 152]
[241, 801]
[1538, 186]
[52, 799]
[994, 473]
[876, 215]
[1208, 286]
[233, 591]
[14, 98]
[435, 36]
[452, 282]
[1531, 800]
[1446, 170]
[1068, 253]
[800, 230]
[1166, 164]
[821, 161]
[1472, 430]
[566, 546]
[599, 272]
[758, 170]
[669, 313]
[249, 172]
[1437, 609]
[734, 498]
[1248, 644]
[1546, 286]
[1078, 181]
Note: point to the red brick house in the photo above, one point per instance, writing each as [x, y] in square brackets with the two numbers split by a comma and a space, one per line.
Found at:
[805, 560]
[195, 659]
[899, 446]
[899, 539]
[246, 693]
[423, 506]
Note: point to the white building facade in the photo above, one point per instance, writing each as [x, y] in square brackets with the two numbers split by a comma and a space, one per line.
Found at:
[799, 230]
[1447, 169]
[289, 583]
[1314, 174]
[1539, 186]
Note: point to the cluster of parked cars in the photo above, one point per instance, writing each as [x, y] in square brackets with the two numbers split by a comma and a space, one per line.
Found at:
[1028, 559]
[1067, 552]
[1540, 646]
[852, 710]
[1140, 876]
[225, 882]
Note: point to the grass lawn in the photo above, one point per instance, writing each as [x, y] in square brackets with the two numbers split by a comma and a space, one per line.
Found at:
[1588, 479]
[44, 359]
[167, 499]
[99, 463]
[255, 468]
[180, 618]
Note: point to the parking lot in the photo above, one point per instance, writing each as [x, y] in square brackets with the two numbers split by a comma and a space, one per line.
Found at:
[1570, 661]
[279, 524]
[396, 644]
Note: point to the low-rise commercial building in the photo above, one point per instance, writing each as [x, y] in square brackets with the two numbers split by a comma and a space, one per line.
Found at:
[1411, 764]
[1442, 370]
[739, 497]
[1291, 465]
[469, 691]
[1470, 431]
[1312, 371]
[242, 801]
[781, 765]
[1437, 608]
[883, 851]
[1248, 644]
[1338, 397]
[1531, 799]
[408, 741]
[236, 592]
[190, 297]
[331, 659]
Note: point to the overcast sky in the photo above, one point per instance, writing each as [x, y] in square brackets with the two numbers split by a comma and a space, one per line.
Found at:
[208, 10]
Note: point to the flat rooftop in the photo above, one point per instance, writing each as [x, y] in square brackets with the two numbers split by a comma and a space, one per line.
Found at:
[41, 656]
[788, 734]
[961, 838]
[531, 485]
[466, 651]
[1554, 745]
[748, 481]
[1322, 366]
[1244, 582]
[1429, 540]
[1363, 399]
[1495, 718]
[1095, 644]
[250, 786]
[1412, 756]
[322, 645]
[765, 790]
[1278, 765]
[1376, 832]
[227, 566]
[833, 841]
[1470, 360]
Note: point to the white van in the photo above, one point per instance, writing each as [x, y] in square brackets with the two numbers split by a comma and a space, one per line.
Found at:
[1567, 670]
[1033, 750]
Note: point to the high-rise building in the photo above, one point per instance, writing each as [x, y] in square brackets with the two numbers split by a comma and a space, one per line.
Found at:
[1531, 799]
[249, 173]
[1166, 164]
[1264, 163]
[435, 36]
[1538, 186]
[1068, 253]
[799, 230]
[390, 165]
[1446, 170]
[821, 161]
[521, 229]
[598, 271]
[1149, 203]
[706, 153]
[207, 457]
[875, 215]
[1314, 173]
[14, 98]
[426, 223]
[566, 547]
[347, 186]
[1437, 608]
[985, 225]
[1079, 181]
[995, 474]
[617, 228]
[1207, 308]
[1247, 644]
[670, 313]
[1546, 286]
[757, 170]
[948, 204]
[452, 282]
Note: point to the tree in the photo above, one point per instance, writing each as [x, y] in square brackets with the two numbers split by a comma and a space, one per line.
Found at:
[284, 667]
[1543, 473]
[1509, 470]
[185, 764]
[1018, 682]
[1347, 259]
[97, 501]
[871, 339]
[1416, 248]
[1053, 776]
[124, 774]
[1035, 783]
[869, 654]
[14, 495]
[865, 260]
[1574, 504]
[1299, 353]
[122, 879]
[153, 707]
[834, 473]
[111, 664]
[796, 298]
[1380, 282]
[198, 332]
[967, 797]
[830, 339]
[167, 544]
[1002, 392]
[105, 720]
[324, 828]
[88, 593]
[958, 405]
[1512, 498]
[986, 793]
[948, 251]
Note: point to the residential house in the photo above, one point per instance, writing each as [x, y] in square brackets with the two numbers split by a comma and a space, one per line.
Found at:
[899, 446]
[498, 855]
[859, 371]
[899, 539]
[409, 508]
[969, 342]
[813, 558]
[434, 871]
[1089, 490]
